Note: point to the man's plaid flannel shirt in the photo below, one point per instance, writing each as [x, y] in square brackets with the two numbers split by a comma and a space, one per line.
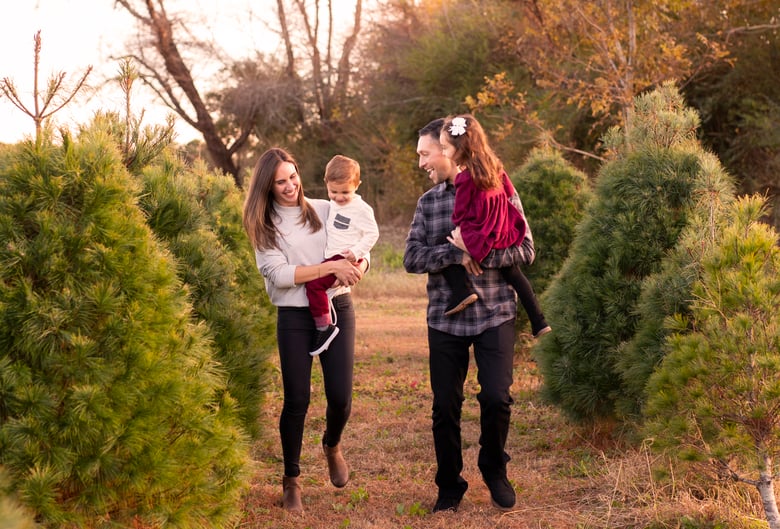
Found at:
[497, 301]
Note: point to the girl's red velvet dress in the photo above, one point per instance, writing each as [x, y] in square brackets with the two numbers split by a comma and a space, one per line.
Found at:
[486, 218]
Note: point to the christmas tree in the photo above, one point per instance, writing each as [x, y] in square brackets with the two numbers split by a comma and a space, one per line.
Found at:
[114, 408]
[716, 396]
[651, 190]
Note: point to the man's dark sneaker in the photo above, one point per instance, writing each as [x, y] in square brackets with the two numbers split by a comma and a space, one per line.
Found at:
[457, 306]
[323, 339]
[446, 504]
[502, 495]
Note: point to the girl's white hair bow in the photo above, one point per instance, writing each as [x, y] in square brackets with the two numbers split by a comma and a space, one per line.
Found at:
[458, 126]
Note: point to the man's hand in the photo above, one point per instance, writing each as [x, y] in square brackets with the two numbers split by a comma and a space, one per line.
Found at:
[471, 266]
[456, 239]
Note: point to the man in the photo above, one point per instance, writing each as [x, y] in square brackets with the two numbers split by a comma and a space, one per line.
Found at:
[488, 325]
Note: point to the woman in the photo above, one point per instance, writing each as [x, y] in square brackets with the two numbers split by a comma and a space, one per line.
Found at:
[289, 238]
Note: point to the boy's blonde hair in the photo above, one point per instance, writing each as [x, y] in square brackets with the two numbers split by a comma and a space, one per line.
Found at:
[341, 169]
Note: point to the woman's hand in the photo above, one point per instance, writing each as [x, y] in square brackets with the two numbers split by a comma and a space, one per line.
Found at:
[347, 274]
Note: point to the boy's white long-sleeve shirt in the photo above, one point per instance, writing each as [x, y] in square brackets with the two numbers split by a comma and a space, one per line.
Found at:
[351, 226]
[297, 246]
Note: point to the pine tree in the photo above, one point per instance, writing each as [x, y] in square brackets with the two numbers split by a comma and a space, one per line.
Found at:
[223, 204]
[668, 292]
[218, 270]
[554, 195]
[198, 215]
[644, 198]
[12, 514]
[716, 396]
[114, 410]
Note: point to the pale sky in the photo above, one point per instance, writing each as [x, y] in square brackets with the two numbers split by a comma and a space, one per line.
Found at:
[79, 33]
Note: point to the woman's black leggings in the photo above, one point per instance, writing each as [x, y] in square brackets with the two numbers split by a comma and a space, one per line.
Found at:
[295, 334]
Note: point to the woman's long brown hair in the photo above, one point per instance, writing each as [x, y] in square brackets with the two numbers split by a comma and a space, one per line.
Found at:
[258, 213]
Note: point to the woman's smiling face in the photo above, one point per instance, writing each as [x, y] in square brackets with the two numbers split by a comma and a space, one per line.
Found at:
[286, 185]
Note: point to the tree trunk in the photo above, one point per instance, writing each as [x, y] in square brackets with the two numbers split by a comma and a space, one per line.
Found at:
[160, 28]
[766, 489]
[320, 88]
[344, 71]
[220, 156]
[292, 75]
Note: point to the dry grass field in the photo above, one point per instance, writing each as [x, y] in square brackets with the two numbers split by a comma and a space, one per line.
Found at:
[565, 476]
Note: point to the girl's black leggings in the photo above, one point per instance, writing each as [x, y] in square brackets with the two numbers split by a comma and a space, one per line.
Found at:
[295, 334]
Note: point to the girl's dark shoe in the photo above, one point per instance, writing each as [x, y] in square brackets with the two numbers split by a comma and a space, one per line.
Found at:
[541, 332]
[457, 306]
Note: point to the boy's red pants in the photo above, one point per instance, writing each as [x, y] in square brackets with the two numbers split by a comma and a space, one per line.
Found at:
[317, 292]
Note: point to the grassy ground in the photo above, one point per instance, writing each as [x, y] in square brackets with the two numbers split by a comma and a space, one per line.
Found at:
[565, 477]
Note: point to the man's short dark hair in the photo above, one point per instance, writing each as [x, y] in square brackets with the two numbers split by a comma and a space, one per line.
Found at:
[432, 129]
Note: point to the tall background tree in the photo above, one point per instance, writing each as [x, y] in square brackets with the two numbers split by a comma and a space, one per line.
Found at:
[420, 62]
[740, 104]
[165, 70]
[601, 54]
[232, 119]
[549, 70]
[330, 72]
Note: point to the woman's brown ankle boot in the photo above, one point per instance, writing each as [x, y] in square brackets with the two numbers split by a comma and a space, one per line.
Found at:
[337, 466]
[291, 495]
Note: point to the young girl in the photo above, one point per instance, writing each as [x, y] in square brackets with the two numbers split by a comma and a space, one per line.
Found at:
[483, 216]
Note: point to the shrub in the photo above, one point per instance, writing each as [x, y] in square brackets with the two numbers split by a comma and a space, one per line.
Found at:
[114, 410]
[198, 215]
[668, 292]
[716, 396]
[554, 196]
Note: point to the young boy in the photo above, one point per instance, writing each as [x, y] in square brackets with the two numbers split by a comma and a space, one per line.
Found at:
[352, 232]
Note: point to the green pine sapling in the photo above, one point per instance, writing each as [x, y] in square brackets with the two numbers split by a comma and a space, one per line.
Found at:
[716, 396]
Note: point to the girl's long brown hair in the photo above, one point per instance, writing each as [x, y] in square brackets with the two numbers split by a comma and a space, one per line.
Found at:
[258, 206]
[473, 152]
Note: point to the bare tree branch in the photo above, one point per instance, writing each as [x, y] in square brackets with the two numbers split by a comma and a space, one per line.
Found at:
[41, 103]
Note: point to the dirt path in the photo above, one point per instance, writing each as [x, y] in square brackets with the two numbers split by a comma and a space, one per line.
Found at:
[388, 444]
